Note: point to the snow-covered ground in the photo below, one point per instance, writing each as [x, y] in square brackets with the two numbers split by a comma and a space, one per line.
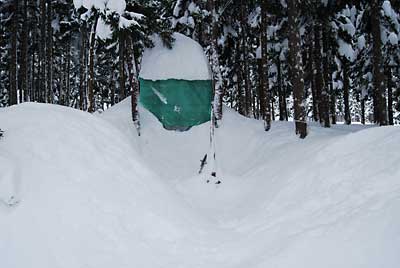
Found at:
[89, 193]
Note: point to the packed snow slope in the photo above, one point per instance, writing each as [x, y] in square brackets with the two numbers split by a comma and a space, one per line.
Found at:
[82, 197]
[93, 194]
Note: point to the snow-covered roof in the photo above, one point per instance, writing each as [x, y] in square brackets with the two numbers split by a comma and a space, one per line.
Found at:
[186, 60]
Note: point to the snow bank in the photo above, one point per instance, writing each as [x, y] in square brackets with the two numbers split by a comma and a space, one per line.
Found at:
[186, 60]
[92, 194]
[85, 198]
[331, 200]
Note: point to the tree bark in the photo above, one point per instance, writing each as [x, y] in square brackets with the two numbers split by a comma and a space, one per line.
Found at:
[326, 70]
[346, 89]
[42, 52]
[82, 67]
[13, 97]
[112, 97]
[247, 95]
[332, 102]
[240, 94]
[24, 96]
[217, 76]
[282, 94]
[68, 94]
[35, 63]
[121, 61]
[378, 76]
[134, 84]
[297, 78]
[311, 76]
[272, 108]
[317, 68]
[390, 95]
[265, 108]
[363, 111]
[49, 54]
[91, 100]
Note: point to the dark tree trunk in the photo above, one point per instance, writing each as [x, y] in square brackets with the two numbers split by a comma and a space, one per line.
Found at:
[247, 96]
[346, 90]
[49, 54]
[13, 64]
[112, 97]
[326, 69]
[91, 100]
[264, 95]
[260, 92]
[311, 75]
[32, 73]
[317, 68]
[34, 64]
[284, 88]
[121, 61]
[378, 76]
[282, 94]
[134, 84]
[82, 64]
[297, 78]
[217, 77]
[42, 52]
[375, 106]
[363, 111]
[23, 96]
[272, 108]
[390, 95]
[63, 76]
[332, 102]
[67, 100]
[240, 94]
[254, 103]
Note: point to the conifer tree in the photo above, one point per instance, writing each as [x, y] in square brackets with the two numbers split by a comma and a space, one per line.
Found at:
[297, 79]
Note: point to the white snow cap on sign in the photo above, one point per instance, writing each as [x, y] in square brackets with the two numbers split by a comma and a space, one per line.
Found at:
[186, 60]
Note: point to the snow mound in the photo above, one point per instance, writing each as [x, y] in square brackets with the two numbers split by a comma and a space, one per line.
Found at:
[74, 193]
[331, 200]
[186, 60]
[81, 190]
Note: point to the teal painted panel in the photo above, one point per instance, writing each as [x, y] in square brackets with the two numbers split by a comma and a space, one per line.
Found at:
[178, 104]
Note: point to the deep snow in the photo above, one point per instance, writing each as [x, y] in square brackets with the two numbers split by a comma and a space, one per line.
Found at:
[186, 60]
[93, 194]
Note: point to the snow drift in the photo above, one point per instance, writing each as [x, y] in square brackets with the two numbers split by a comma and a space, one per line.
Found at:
[186, 60]
[92, 194]
[85, 198]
